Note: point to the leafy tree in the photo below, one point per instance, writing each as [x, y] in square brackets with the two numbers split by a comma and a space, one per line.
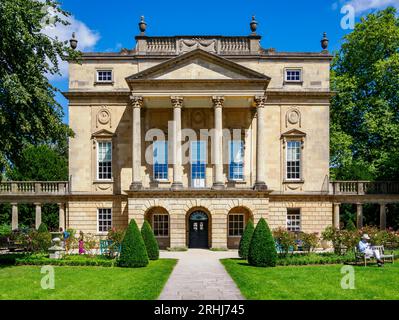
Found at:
[364, 112]
[150, 242]
[133, 252]
[29, 113]
[245, 240]
[262, 250]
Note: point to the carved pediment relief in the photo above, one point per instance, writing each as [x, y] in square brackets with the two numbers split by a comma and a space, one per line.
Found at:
[103, 133]
[294, 133]
[208, 45]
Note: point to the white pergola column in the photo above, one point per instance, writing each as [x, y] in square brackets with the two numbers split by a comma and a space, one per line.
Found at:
[137, 103]
[336, 216]
[61, 216]
[359, 215]
[38, 215]
[14, 216]
[177, 103]
[217, 147]
[383, 216]
[260, 184]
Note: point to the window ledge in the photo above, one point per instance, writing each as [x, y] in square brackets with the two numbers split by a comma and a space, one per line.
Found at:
[300, 181]
[103, 83]
[103, 181]
[292, 82]
[232, 181]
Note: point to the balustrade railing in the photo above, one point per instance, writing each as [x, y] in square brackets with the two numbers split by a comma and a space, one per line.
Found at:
[365, 187]
[34, 187]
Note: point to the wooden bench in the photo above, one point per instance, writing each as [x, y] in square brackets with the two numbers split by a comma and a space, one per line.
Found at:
[384, 257]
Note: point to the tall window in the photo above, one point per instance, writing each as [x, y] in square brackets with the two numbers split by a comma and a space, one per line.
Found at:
[294, 220]
[160, 164]
[293, 75]
[236, 224]
[104, 219]
[104, 158]
[160, 225]
[293, 161]
[198, 163]
[104, 76]
[236, 160]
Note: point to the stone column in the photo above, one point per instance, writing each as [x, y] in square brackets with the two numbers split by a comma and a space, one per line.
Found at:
[359, 215]
[260, 184]
[14, 216]
[336, 215]
[217, 147]
[61, 216]
[38, 216]
[177, 103]
[137, 103]
[383, 216]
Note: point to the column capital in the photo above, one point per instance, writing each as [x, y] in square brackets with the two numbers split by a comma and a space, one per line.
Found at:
[260, 101]
[136, 101]
[177, 102]
[218, 101]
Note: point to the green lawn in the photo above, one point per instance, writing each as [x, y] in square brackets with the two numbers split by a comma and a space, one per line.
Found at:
[23, 282]
[313, 282]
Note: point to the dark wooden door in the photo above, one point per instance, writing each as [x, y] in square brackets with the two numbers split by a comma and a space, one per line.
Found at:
[198, 232]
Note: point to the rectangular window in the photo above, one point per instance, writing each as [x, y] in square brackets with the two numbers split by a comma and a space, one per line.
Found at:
[104, 75]
[104, 219]
[294, 220]
[160, 225]
[293, 162]
[293, 75]
[104, 158]
[160, 157]
[236, 225]
[236, 160]
[198, 163]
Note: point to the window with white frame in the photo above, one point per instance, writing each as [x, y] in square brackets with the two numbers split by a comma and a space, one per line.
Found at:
[104, 160]
[160, 158]
[293, 160]
[236, 224]
[104, 75]
[293, 75]
[293, 220]
[236, 160]
[198, 163]
[160, 225]
[104, 219]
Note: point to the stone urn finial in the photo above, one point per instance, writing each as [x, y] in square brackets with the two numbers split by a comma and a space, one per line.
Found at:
[254, 25]
[142, 25]
[73, 42]
[324, 42]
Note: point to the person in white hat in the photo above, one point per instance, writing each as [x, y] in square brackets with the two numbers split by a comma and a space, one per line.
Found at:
[365, 247]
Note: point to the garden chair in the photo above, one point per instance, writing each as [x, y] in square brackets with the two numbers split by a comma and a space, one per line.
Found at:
[359, 256]
[385, 257]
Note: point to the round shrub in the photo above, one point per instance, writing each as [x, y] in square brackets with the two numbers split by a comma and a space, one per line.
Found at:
[245, 240]
[42, 228]
[133, 252]
[262, 250]
[150, 242]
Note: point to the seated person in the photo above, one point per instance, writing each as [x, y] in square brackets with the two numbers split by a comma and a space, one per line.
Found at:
[365, 247]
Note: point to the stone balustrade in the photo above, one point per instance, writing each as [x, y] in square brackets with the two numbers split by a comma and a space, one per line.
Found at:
[364, 187]
[34, 187]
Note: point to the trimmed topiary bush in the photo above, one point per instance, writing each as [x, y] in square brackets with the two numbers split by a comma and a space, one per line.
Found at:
[42, 228]
[262, 250]
[245, 240]
[133, 252]
[150, 242]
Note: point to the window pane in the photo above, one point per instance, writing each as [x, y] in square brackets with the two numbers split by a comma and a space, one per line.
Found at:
[104, 219]
[293, 220]
[293, 161]
[236, 160]
[160, 154]
[161, 225]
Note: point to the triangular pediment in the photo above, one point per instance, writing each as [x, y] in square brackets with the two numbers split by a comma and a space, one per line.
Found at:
[103, 133]
[293, 133]
[198, 65]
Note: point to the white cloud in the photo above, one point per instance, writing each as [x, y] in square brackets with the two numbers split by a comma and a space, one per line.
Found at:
[86, 37]
[364, 5]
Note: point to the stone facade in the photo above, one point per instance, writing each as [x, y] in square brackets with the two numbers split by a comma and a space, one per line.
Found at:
[214, 83]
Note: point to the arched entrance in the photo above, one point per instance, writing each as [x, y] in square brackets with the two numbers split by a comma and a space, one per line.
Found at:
[198, 230]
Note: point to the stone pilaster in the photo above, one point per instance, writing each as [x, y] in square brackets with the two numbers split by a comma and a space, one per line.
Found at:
[383, 216]
[336, 216]
[217, 147]
[14, 216]
[38, 215]
[137, 104]
[61, 215]
[359, 215]
[260, 184]
[177, 103]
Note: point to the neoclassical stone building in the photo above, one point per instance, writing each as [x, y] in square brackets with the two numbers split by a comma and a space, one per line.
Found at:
[199, 181]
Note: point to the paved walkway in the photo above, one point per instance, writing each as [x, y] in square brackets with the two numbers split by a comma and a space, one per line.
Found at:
[199, 275]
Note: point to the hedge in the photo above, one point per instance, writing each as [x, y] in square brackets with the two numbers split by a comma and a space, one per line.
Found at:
[245, 240]
[262, 250]
[150, 242]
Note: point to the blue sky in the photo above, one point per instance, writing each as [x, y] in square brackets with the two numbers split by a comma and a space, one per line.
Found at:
[287, 25]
